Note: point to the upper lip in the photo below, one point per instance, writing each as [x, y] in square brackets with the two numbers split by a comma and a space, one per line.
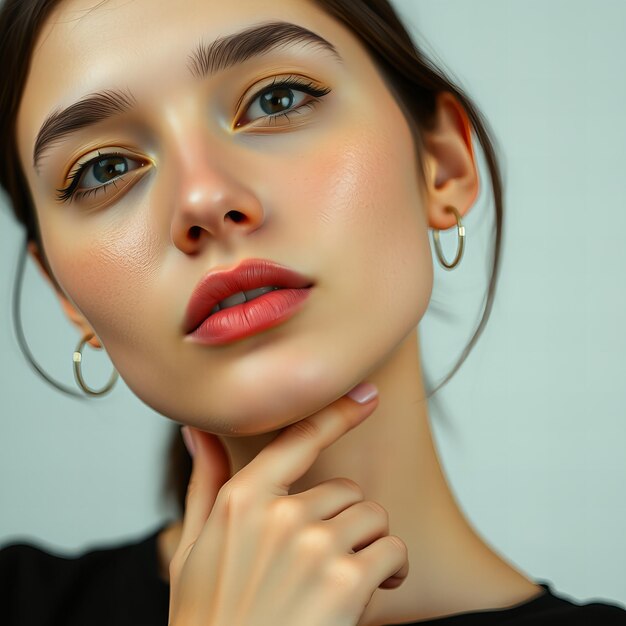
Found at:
[249, 274]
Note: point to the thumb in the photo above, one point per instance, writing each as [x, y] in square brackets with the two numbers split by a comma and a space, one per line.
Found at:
[210, 470]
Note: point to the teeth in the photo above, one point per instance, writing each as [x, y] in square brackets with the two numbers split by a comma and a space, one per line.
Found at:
[237, 298]
[241, 297]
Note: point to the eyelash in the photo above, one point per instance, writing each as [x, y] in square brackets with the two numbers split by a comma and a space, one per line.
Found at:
[70, 193]
[291, 82]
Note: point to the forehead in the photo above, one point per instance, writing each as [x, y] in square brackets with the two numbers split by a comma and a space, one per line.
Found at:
[86, 46]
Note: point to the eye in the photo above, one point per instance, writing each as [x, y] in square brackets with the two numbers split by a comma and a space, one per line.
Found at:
[96, 174]
[105, 170]
[279, 99]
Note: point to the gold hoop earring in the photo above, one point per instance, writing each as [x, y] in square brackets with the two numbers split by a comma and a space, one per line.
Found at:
[77, 357]
[461, 244]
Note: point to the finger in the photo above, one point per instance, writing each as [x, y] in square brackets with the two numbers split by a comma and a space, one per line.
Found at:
[397, 579]
[210, 470]
[329, 498]
[359, 525]
[292, 453]
[386, 559]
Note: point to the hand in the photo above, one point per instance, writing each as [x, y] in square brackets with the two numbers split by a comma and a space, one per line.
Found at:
[250, 554]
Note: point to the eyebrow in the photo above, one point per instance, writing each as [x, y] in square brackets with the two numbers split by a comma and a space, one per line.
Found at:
[204, 61]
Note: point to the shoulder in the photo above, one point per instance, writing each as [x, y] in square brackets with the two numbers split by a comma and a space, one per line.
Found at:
[547, 609]
[27, 561]
[603, 613]
[40, 587]
[552, 608]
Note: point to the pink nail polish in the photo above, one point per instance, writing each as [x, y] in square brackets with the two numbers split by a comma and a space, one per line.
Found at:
[188, 439]
[363, 393]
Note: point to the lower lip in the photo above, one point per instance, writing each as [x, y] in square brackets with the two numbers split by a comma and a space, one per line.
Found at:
[250, 318]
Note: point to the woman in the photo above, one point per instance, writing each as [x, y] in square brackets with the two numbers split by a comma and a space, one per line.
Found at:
[298, 156]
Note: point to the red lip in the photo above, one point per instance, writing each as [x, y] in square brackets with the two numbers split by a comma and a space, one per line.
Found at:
[249, 274]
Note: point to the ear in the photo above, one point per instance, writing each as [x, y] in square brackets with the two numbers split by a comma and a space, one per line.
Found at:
[452, 176]
[69, 309]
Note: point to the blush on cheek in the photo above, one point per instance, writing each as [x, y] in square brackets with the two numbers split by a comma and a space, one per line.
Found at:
[107, 276]
[365, 194]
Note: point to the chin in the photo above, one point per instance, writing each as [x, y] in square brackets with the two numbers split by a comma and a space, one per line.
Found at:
[266, 417]
[244, 408]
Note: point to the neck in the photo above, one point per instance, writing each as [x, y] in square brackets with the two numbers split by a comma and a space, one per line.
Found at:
[451, 569]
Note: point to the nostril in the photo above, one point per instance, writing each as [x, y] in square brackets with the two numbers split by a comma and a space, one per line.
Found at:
[194, 232]
[236, 216]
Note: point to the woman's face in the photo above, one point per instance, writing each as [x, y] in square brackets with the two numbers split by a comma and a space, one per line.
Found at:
[328, 188]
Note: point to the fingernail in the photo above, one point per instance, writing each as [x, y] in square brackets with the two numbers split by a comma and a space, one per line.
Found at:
[188, 439]
[363, 393]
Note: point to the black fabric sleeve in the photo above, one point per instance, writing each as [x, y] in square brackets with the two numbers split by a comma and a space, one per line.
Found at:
[120, 586]
[547, 609]
[109, 586]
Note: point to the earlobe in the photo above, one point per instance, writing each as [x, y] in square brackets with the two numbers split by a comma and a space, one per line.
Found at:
[68, 308]
[452, 175]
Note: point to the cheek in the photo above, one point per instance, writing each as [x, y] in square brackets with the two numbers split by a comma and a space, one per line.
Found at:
[106, 265]
[368, 218]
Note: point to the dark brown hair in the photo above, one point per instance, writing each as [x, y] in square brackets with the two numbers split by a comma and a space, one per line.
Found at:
[414, 79]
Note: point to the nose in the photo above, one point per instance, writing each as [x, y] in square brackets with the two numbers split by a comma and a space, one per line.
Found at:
[211, 203]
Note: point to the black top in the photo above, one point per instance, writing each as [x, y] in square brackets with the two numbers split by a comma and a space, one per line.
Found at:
[120, 586]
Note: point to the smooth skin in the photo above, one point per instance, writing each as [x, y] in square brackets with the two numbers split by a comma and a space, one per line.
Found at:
[251, 554]
[334, 194]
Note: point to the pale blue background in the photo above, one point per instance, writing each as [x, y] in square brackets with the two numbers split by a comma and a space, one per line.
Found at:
[531, 430]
